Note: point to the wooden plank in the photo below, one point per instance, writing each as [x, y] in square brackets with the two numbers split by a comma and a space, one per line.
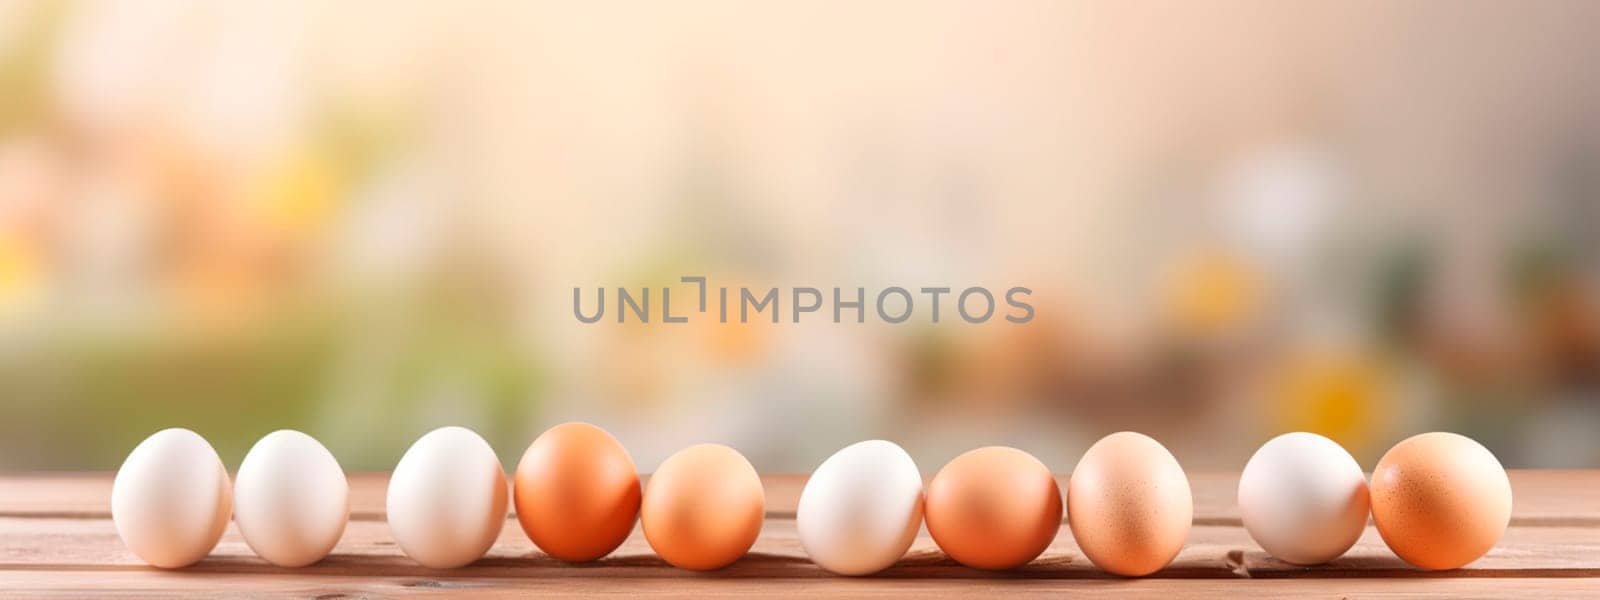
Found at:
[1212, 551]
[56, 539]
[77, 584]
[1553, 497]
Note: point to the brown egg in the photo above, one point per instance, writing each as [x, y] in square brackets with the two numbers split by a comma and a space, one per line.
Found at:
[703, 508]
[993, 508]
[1440, 500]
[577, 492]
[1129, 504]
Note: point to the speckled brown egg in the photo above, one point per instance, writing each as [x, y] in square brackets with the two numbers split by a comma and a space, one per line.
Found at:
[993, 508]
[577, 492]
[1440, 500]
[1129, 504]
[703, 507]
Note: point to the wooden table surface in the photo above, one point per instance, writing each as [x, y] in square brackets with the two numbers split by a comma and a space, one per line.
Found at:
[56, 538]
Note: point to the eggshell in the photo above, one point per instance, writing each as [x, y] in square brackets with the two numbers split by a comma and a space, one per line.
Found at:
[1129, 505]
[1303, 498]
[993, 508]
[291, 499]
[860, 510]
[1440, 500]
[447, 498]
[171, 499]
[577, 492]
[703, 507]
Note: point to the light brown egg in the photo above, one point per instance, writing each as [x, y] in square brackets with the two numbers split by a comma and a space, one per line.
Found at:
[703, 508]
[1129, 504]
[993, 508]
[1440, 500]
[577, 492]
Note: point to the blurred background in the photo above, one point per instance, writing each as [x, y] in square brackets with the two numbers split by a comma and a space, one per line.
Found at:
[365, 219]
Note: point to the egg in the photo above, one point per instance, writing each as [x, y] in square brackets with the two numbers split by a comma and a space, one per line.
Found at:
[171, 499]
[703, 507]
[291, 499]
[447, 498]
[577, 492]
[1440, 500]
[1129, 505]
[993, 508]
[861, 508]
[1303, 498]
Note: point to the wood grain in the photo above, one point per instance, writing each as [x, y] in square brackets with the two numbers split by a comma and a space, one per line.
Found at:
[56, 539]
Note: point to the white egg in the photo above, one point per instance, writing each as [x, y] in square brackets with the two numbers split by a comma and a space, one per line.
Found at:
[171, 499]
[291, 499]
[861, 509]
[447, 498]
[1303, 498]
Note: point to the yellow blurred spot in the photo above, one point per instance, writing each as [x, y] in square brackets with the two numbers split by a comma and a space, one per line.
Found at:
[1214, 293]
[1337, 394]
[296, 195]
[19, 271]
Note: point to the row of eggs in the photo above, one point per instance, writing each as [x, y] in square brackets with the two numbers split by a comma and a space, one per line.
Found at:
[1439, 500]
